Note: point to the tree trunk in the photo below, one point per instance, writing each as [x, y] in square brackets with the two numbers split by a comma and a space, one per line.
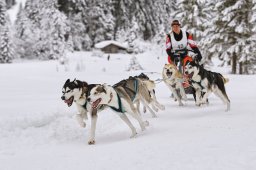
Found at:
[246, 64]
[234, 62]
[240, 67]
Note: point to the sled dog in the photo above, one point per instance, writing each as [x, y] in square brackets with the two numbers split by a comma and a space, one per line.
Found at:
[173, 79]
[77, 91]
[118, 100]
[150, 84]
[206, 81]
[141, 89]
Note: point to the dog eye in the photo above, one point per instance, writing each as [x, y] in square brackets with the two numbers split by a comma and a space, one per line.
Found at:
[95, 93]
[68, 91]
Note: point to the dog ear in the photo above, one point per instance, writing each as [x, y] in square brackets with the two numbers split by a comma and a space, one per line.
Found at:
[101, 88]
[104, 87]
[104, 90]
[79, 83]
[76, 81]
[85, 84]
[67, 81]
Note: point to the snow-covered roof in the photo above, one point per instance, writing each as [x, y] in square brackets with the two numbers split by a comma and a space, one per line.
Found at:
[103, 44]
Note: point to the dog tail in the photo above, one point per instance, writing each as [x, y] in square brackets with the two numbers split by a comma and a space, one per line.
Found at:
[150, 84]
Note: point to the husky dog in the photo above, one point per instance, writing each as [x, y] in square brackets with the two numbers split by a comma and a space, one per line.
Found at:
[139, 90]
[118, 100]
[173, 79]
[77, 91]
[206, 81]
[150, 84]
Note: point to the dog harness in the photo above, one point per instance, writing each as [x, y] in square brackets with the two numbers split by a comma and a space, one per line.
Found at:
[123, 84]
[136, 88]
[120, 108]
[199, 83]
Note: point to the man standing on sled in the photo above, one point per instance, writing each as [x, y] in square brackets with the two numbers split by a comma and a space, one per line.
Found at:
[178, 42]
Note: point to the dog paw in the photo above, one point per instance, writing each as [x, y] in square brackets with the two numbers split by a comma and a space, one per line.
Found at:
[133, 134]
[144, 109]
[181, 104]
[80, 120]
[91, 142]
[82, 124]
[162, 107]
[204, 103]
[154, 116]
[155, 109]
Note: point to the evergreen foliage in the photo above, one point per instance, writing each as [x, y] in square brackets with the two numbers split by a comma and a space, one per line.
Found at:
[6, 48]
[47, 29]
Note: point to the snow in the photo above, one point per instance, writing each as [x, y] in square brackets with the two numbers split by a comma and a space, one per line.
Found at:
[103, 44]
[14, 10]
[38, 131]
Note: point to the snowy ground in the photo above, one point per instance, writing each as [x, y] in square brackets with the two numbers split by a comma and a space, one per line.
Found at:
[38, 131]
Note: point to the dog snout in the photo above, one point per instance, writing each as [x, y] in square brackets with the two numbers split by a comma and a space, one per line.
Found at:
[169, 73]
[63, 97]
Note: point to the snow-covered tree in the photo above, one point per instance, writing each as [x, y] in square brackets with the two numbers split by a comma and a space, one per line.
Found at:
[10, 3]
[23, 34]
[42, 31]
[6, 48]
[134, 64]
[249, 49]
[191, 16]
[2, 12]
[54, 32]
[230, 31]
[100, 21]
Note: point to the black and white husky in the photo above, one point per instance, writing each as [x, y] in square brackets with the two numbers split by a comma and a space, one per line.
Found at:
[118, 100]
[77, 91]
[206, 81]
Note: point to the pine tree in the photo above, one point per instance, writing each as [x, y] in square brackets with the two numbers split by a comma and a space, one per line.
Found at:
[22, 34]
[10, 3]
[249, 49]
[6, 55]
[205, 36]
[100, 21]
[27, 29]
[231, 30]
[6, 48]
[54, 32]
[2, 13]
[42, 31]
[134, 64]
[189, 15]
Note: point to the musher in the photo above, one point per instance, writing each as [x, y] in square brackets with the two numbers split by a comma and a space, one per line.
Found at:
[178, 42]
